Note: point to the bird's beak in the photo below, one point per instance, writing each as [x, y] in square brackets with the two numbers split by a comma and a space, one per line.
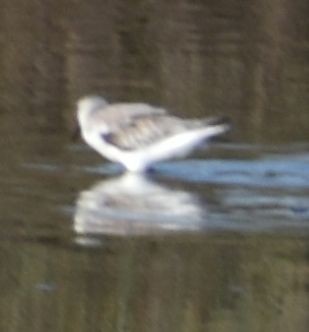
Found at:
[75, 133]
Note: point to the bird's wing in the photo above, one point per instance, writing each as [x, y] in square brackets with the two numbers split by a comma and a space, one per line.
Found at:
[132, 126]
[139, 131]
[115, 117]
[123, 113]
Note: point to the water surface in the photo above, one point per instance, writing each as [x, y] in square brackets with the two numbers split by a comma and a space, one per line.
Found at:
[198, 243]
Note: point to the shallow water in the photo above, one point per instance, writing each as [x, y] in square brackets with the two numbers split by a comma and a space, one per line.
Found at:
[219, 238]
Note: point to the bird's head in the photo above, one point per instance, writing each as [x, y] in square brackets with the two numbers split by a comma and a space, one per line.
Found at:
[85, 106]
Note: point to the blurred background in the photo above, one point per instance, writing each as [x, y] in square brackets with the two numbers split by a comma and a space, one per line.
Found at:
[247, 59]
[216, 242]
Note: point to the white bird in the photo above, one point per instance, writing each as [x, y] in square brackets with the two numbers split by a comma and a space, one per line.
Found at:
[137, 134]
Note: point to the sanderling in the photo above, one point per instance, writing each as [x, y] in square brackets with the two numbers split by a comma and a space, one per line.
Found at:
[137, 135]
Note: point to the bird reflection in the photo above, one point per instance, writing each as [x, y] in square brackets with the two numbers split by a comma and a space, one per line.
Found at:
[135, 205]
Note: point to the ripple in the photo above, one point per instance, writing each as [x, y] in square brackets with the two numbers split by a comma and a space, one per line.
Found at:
[271, 171]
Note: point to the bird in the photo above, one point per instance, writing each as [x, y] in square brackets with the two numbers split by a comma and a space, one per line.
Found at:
[138, 135]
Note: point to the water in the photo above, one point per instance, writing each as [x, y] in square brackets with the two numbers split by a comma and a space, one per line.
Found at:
[216, 239]
[214, 242]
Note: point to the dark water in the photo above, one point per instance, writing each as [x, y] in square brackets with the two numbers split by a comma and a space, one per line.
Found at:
[201, 243]
[215, 242]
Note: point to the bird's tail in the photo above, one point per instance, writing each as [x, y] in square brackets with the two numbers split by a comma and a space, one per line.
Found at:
[216, 126]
